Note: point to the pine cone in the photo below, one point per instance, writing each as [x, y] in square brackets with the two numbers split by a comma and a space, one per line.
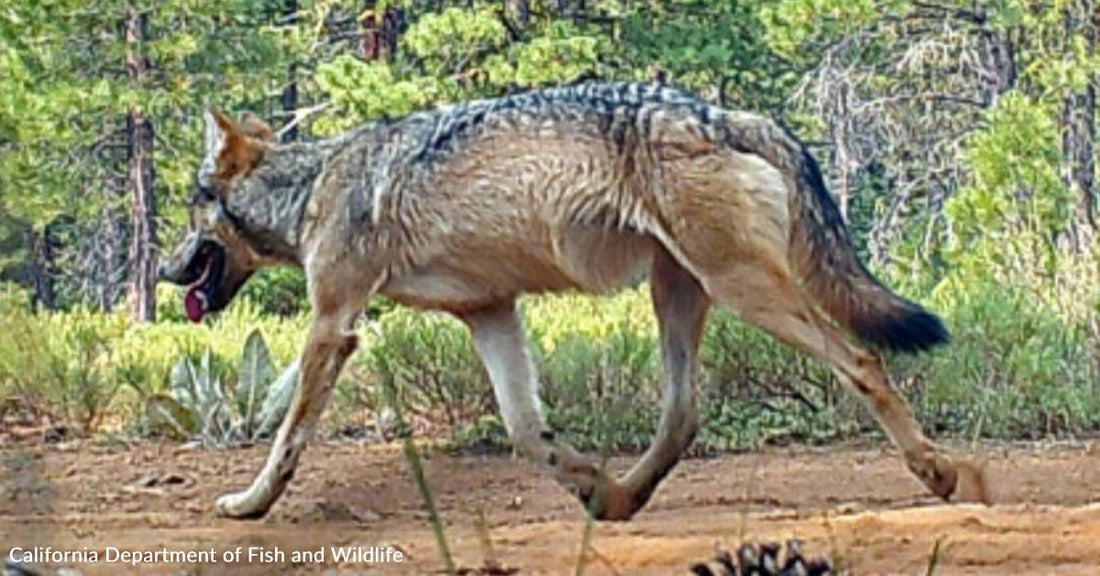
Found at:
[764, 561]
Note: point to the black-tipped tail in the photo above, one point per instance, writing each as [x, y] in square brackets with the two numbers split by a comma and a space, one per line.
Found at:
[908, 328]
[833, 274]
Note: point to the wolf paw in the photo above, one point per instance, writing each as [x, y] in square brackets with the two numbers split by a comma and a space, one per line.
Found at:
[239, 505]
[615, 503]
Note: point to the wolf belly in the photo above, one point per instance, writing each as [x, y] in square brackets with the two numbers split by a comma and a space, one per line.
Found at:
[575, 257]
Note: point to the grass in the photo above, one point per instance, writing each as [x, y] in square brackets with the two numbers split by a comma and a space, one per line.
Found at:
[416, 468]
[934, 558]
[1024, 364]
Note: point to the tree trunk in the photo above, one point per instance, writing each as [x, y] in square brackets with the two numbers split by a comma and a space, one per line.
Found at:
[142, 177]
[1079, 131]
[519, 12]
[106, 264]
[381, 32]
[844, 162]
[290, 92]
[41, 260]
[999, 55]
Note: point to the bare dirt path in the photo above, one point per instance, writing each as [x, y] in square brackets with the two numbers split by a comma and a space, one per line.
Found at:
[856, 504]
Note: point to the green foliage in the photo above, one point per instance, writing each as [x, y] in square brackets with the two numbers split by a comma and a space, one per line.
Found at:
[279, 291]
[60, 367]
[755, 390]
[66, 90]
[793, 26]
[704, 45]
[253, 382]
[451, 55]
[198, 389]
[1016, 368]
[84, 369]
[1016, 185]
[430, 357]
[441, 40]
[1022, 364]
[368, 91]
[563, 55]
[599, 365]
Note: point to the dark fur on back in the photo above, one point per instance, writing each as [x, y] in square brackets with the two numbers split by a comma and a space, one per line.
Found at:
[821, 250]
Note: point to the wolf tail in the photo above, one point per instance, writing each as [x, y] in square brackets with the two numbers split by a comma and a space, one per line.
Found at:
[821, 251]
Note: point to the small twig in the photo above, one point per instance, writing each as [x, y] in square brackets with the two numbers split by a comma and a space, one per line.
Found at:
[300, 115]
[976, 438]
[590, 522]
[417, 469]
[836, 558]
[934, 560]
[597, 501]
[743, 520]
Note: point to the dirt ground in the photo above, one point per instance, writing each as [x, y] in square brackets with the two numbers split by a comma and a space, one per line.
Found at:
[858, 505]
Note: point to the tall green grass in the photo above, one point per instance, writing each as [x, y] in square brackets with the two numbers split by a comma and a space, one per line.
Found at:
[1024, 363]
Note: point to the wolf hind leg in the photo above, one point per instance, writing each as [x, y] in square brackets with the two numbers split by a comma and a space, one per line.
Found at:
[500, 341]
[681, 306]
[768, 298]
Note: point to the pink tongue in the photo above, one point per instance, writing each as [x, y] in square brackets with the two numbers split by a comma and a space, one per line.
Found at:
[192, 305]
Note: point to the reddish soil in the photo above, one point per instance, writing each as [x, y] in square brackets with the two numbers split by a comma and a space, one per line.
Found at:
[857, 505]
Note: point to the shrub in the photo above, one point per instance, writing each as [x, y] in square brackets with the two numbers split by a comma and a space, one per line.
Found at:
[599, 365]
[64, 367]
[1014, 369]
[79, 368]
[439, 378]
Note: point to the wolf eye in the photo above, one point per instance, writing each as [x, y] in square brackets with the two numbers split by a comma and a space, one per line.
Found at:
[203, 195]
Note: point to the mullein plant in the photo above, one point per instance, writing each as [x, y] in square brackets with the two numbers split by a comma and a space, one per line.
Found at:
[199, 405]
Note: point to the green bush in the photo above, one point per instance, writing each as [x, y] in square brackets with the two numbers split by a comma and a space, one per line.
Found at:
[433, 362]
[1014, 369]
[60, 367]
[1024, 363]
[599, 366]
[82, 369]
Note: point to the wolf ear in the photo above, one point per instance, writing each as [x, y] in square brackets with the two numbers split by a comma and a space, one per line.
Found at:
[217, 126]
[254, 127]
[232, 150]
[216, 129]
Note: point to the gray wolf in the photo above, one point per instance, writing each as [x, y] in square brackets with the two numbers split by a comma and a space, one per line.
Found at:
[464, 208]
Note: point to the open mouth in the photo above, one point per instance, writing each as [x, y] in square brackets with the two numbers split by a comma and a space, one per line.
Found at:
[202, 294]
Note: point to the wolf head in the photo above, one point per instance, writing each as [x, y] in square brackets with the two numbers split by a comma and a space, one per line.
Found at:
[218, 254]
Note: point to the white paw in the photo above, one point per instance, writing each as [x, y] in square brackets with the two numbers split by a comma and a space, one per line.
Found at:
[239, 505]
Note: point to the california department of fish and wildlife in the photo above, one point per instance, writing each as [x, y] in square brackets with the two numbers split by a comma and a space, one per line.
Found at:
[240, 554]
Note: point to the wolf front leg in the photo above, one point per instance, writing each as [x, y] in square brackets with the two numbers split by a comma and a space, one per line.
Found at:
[328, 347]
[498, 336]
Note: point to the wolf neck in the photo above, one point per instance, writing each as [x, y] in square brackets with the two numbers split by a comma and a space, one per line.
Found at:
[270, 203]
